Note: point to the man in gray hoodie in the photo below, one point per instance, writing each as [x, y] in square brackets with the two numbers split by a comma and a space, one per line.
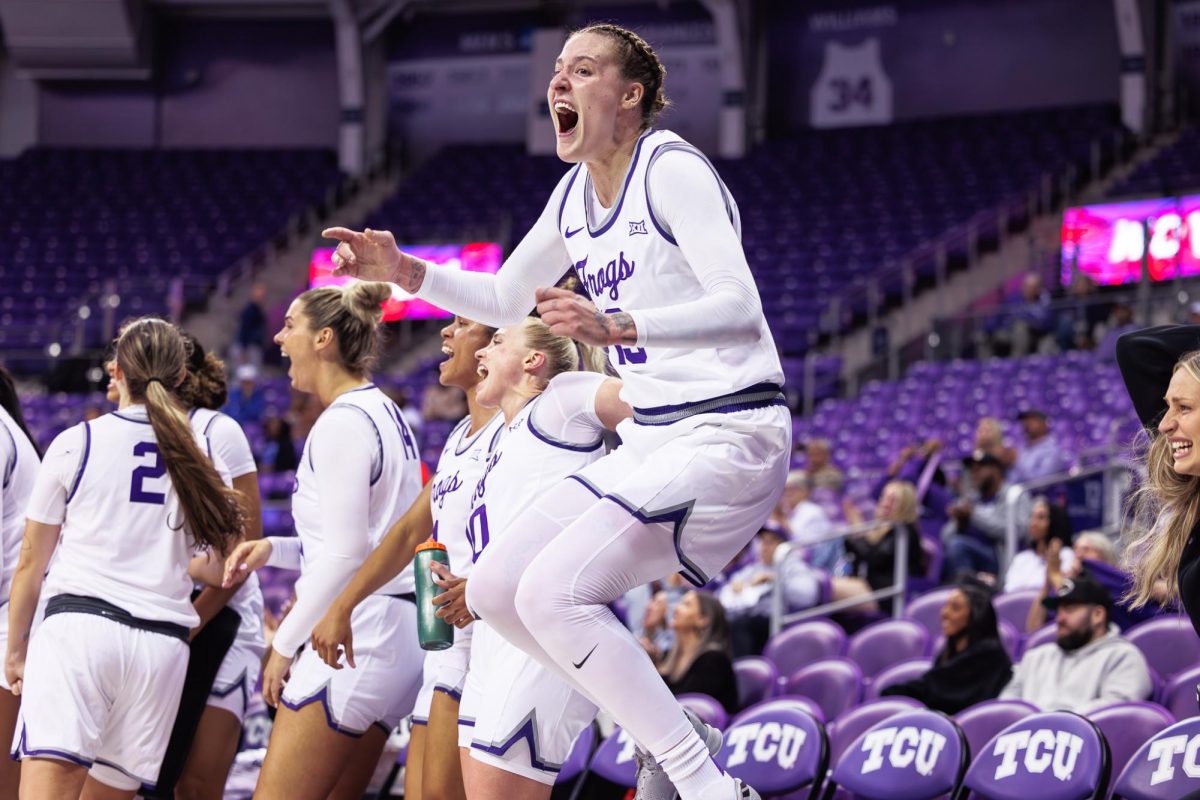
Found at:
[1089, 665]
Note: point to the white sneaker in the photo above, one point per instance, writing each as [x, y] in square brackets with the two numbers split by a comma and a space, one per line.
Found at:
[652, 780]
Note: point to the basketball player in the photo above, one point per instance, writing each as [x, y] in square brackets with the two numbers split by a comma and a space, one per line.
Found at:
[358, 474]
[215, 743]
[654, 236]
[120, 503]
[432, 768]
[19, 460]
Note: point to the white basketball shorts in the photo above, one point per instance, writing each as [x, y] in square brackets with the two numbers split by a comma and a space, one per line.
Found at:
[712, 478]
[446, 672]
[102, 695]
[525, 717]
[382, 689]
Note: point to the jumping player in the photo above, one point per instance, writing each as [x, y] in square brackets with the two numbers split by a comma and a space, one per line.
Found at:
[120, 503]
[19, 460]
[359, 472]
[433, 768]
[654, 236]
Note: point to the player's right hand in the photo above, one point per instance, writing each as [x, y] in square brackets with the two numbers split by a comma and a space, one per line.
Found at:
[245, 558]
[373, 256]
[14, 671]
[333, 635]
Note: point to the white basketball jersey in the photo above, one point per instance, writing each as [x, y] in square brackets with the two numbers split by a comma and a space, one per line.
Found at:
[528, 459]
[628, 261]
[229, 442]
[395, 476]
[852, 88]
[461, 464]
[122, 539]
[18, 468]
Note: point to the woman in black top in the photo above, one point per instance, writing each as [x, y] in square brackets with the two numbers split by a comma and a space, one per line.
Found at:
[972, 666]
[873, 553]
[1161, 369]
[699, 660]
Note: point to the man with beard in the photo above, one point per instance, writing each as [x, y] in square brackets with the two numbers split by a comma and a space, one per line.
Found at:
[1089, 665]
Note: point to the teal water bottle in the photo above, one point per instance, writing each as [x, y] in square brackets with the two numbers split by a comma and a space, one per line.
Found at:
[433, 633]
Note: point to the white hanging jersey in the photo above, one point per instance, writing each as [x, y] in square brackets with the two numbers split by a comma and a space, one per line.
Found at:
[230, 444]
[18, 470]
[852, 87]
[554, 436]
[458, 471]
[122, 538]
[395, 474]
[628, 261]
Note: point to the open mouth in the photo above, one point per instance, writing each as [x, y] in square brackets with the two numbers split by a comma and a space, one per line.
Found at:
[566, 117]
[1180, 449]
[482, 371]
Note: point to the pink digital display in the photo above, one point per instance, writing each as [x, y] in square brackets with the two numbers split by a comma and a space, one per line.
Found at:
[473, 257]
[1109, 241]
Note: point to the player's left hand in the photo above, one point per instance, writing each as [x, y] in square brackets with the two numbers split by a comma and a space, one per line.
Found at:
[570, 314]
[452, 603]
[275, 675]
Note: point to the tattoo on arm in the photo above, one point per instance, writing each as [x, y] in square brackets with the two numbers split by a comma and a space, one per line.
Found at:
[620, 326]
[416, 274]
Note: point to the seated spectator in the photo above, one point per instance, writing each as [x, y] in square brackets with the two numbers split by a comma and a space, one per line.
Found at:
[1089, 665]
[808, 522]
[1041, 454]
[873, 554]
[1025, 320]
[977, 520]
[1077, 323]
[655, 633]
[821, 469]
[279, 452]
[1048, 524]
[699, 660]
[989, 438]
[972, 666]
[1120, 321]
[246, 403]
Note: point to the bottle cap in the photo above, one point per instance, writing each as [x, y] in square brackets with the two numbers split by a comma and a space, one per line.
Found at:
[429, 544]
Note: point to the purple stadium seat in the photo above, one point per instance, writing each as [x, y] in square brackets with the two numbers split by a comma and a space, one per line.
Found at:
[1179, 694]
[835, 684]
[850, 725]
[1127, 726]
[886, 642]
[1165, 767]
[776, 747]
[577, 759]
[1052, 756]
[984, 720]
[1014, 606]
[706, 708]
[913, 755]
[927, 609]
[756, 679]
[896, 673]
[1043, 635]
[804, 643]
[614, 761]
[1169, 643]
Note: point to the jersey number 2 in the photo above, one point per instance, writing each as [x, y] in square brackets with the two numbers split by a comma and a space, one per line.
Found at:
[137, 493]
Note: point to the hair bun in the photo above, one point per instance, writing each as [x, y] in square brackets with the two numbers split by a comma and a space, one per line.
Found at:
[365, 299]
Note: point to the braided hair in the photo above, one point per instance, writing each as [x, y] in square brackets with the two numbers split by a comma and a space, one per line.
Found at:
[639, 63]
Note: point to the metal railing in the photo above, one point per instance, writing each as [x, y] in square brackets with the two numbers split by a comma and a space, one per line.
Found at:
[780, 618]
[1117, 474]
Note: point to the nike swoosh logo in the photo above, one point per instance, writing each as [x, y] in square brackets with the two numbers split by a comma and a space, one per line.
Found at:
[569, 233]
[589, 655]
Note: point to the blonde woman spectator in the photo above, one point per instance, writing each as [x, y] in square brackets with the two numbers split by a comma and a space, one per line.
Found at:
[873, 554]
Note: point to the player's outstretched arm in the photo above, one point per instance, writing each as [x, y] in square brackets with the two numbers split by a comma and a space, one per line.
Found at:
[392, 555]
[373, 256]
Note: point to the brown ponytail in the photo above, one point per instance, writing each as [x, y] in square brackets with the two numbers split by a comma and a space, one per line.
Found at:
[152, 355]
[205, 385]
